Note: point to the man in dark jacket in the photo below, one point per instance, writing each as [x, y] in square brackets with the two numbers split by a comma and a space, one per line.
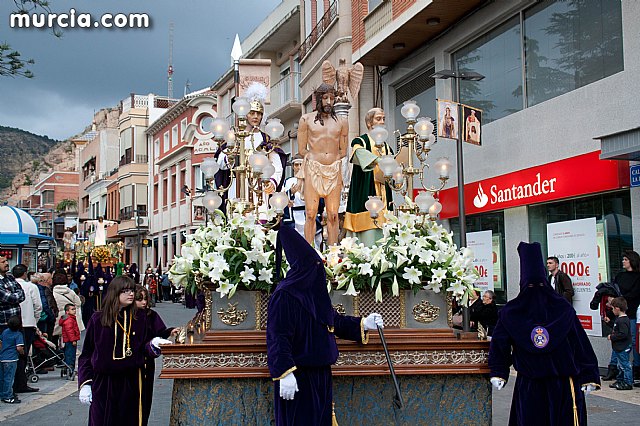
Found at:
[558, 279]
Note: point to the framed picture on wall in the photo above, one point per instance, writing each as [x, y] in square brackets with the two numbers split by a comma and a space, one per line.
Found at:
[447, 119]
[472, 124]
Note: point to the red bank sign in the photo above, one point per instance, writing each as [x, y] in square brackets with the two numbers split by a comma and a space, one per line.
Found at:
[575, 176]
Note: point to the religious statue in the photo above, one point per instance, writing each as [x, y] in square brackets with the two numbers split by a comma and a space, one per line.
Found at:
[348, 79]
[68, 240]
[322, 140]
[367, 180]
[100, 238]
[256, 141]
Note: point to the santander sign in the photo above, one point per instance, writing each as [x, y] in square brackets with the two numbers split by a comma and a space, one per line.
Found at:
[575, 176]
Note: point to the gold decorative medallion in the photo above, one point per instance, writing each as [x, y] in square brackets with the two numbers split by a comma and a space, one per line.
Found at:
[425, 312]
[340, 309]
[232, 316]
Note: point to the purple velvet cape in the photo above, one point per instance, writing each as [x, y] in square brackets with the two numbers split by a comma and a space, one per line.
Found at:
[116, 385]
[300, 317]
[542, 394]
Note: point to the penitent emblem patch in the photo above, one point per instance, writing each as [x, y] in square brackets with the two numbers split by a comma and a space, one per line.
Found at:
[539, 337]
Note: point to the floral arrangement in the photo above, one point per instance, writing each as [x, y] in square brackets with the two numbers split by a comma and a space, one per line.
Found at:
[234, 253]
[101, 254]
[414, 253]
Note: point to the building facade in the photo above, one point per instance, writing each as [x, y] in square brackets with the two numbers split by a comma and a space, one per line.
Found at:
[556, 74]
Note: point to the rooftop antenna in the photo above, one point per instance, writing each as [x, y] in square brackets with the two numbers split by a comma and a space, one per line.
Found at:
[170, 69]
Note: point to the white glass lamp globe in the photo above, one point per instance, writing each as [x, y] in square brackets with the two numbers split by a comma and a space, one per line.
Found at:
[410, 110]
[241, 107]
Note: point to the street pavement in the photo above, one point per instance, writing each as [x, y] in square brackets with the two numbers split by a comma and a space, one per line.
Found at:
[57, 401]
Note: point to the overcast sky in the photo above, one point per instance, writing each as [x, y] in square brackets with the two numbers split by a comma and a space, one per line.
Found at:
[89, 69]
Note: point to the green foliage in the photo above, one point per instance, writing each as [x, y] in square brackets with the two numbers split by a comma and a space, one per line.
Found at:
[66, 204]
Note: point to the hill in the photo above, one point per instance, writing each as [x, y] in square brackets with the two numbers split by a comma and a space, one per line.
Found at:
[19, 147]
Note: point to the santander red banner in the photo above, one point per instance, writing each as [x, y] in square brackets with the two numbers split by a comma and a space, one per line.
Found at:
[575, 176]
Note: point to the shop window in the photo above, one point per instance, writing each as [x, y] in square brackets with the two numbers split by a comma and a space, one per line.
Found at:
[613, 219]
[493, 222]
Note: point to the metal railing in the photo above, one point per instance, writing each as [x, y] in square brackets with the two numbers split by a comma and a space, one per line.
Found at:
[325, 22]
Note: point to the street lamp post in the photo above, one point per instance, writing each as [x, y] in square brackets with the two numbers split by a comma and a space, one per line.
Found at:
[457, 76]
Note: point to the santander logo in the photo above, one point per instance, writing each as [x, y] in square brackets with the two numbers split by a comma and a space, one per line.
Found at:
[481, 199]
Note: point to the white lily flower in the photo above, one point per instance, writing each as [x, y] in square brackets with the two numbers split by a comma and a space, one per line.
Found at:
[412, 275]
[365, 269]
[224, 288]
[265, 275]
[247, 275]
[438, 275]
[395, 288]
[351, 290]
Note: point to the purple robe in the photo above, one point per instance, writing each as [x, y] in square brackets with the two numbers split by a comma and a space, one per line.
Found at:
[300, 334]
[539, 333]
[159, 329]
[116, 380]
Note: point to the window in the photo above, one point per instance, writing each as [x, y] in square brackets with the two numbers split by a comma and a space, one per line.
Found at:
[141, 145]
[182, 183]
[569, 45]
[165, 142]
[497, 56]
[174, 136]
[141, 199]
[183, 127]
[165, 187]
[155, 196]
[47, 197]
[156, 149]
[421, 89]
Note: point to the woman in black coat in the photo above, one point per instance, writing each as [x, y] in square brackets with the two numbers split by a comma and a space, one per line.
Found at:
[485, 313]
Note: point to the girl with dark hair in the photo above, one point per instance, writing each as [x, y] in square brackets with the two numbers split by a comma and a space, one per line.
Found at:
[629, 282]
[161, 330]
[118, 340]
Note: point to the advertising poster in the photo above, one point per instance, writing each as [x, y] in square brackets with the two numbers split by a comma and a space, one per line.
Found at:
[574, 243]
[481, 244]
[496, 247]
[447, 119]
[603, 255]
[472, 125]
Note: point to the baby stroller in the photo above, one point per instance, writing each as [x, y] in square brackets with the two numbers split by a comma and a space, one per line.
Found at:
[45, 354]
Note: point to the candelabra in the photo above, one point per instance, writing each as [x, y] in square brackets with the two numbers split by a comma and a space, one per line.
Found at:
[250, 169]
[399, 170]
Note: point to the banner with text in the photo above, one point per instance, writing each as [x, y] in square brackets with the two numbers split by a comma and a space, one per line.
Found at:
[482, 245]
[574, 243]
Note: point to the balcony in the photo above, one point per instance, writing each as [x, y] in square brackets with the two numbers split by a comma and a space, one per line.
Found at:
[393, 30]
[142, 101]
[285, 98]
[316, 33]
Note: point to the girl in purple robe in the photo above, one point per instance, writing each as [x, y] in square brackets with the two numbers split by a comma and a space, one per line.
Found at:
[111, 366]
[160, 330]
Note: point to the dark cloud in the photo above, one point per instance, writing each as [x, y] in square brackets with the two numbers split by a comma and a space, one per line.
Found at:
[89, 69]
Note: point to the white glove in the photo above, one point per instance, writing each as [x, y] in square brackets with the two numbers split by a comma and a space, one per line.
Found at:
[587, 389]
[497, 383]
[157, 341]
[373, 321]
[288, 387]
[85, 395]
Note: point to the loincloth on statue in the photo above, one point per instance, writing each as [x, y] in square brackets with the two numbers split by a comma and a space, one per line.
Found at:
[323, 177]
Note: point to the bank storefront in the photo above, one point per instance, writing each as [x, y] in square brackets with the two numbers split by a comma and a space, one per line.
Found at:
[567, 190]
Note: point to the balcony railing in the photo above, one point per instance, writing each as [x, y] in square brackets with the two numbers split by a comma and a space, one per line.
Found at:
[285, 91]
[142, 101]
[325, 22]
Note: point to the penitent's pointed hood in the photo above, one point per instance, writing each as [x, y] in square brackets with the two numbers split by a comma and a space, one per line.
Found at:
[306, 280]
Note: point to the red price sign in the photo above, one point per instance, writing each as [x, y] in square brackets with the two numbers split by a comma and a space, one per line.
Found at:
[575, 269]
[482, 271]
[7, 253]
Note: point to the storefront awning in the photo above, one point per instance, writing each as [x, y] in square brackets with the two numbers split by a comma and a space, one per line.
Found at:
[17, 227]
[623, 145]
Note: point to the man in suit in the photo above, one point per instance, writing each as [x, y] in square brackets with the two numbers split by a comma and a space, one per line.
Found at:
[558, 279]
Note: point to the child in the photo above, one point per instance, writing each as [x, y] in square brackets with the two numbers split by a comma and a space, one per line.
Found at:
[117, 341]
[12, 345]
[70, 337]
[142, 304]
[621, 344]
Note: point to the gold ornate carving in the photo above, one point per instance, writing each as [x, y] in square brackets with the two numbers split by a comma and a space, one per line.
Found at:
[425, 312]
[208, 309]
[232, 316]
[449, 309]
[417, 357]
[256, 307]
[340, 309]
[356, 306]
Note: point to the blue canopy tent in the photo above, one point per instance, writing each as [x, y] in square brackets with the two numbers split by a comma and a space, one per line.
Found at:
[19, 237]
